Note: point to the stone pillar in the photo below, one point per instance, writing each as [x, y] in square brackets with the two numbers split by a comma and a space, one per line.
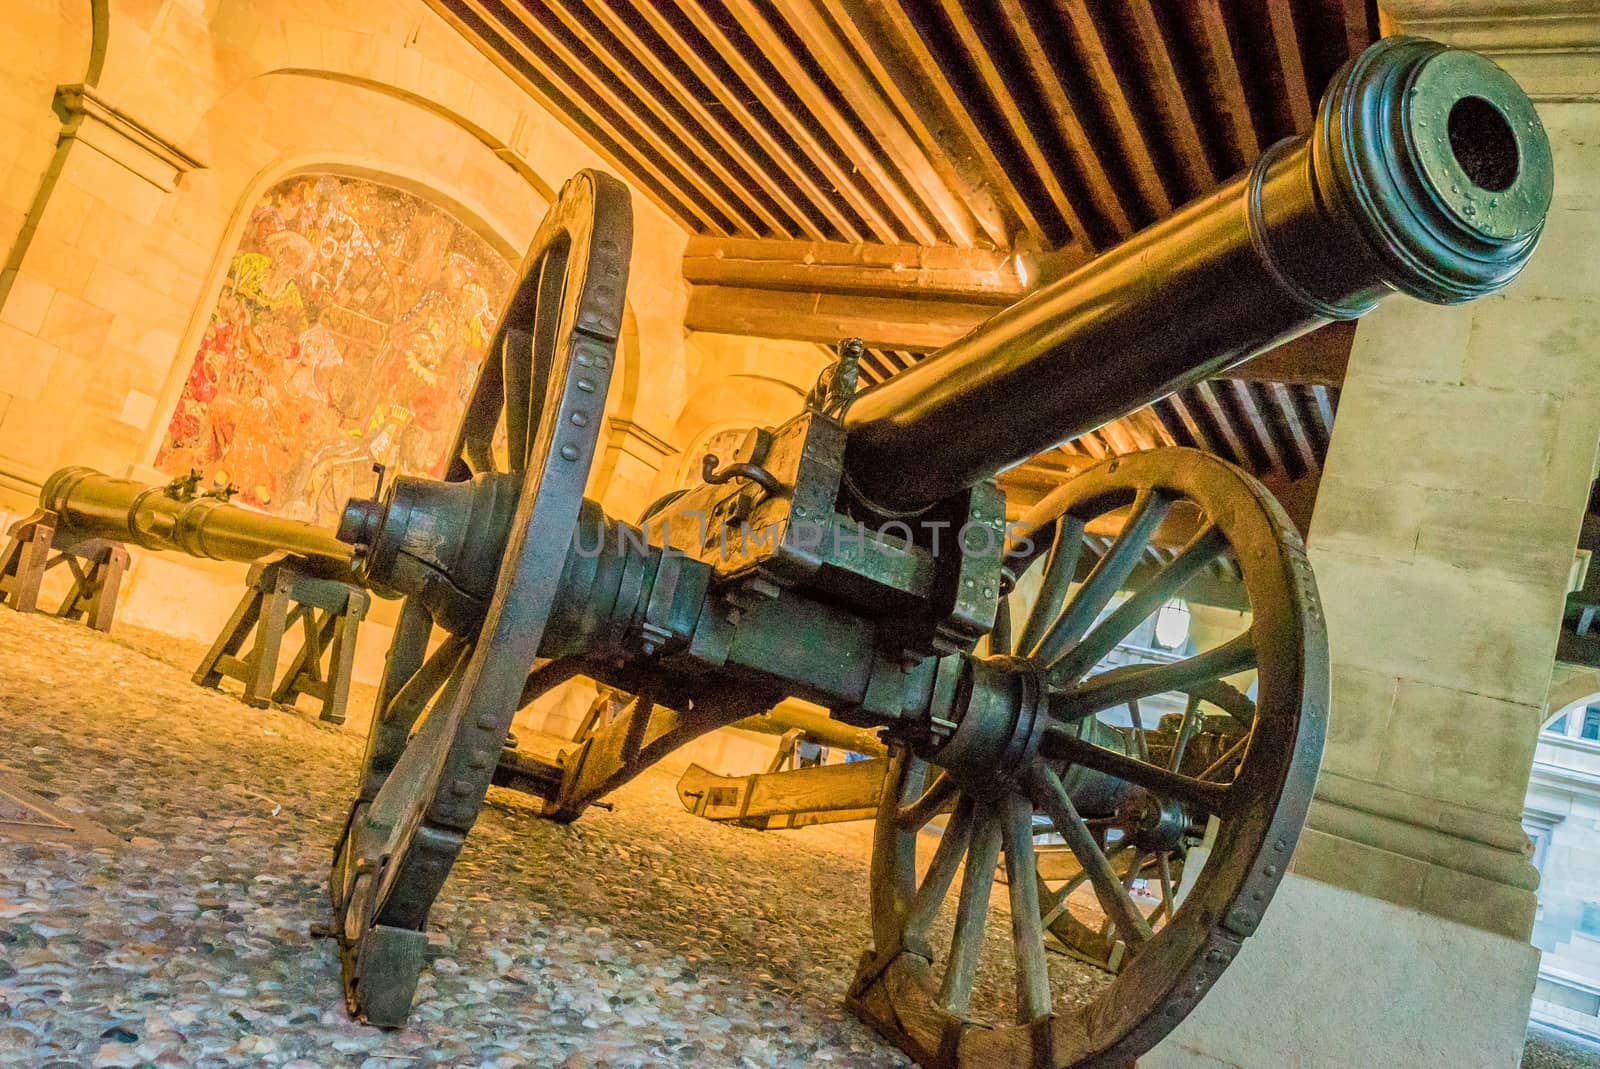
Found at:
[1443, 541]
[83, 315]
[633, 455]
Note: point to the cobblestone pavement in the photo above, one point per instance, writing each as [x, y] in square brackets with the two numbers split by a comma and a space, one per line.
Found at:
[638, 937]
[1549, 1049]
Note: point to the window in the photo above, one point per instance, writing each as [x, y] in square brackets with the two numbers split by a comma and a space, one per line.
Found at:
[1558, 726]
[1591, 723]
[348, 332]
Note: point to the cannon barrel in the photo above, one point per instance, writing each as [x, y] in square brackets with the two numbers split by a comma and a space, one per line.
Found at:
[89, 504]
[1427, 172]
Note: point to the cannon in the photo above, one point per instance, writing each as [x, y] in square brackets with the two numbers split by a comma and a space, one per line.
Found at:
[858, 557]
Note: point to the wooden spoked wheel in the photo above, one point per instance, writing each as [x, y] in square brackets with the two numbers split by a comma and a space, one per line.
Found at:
[1149, 849]
[423, 785]
[932, 983]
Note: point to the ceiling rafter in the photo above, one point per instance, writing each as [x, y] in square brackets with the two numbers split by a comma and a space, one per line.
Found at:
[715, 130]
[898, 169]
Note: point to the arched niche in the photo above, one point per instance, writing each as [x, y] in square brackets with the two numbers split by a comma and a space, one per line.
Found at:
[350, 322]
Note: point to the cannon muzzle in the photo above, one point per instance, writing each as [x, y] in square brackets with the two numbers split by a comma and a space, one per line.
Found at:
[173, 517]
[1427, 173]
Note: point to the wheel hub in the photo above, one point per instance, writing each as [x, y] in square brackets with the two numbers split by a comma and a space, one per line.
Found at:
[993, 723]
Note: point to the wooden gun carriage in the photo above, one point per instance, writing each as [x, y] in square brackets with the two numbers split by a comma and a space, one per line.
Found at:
[858, 556]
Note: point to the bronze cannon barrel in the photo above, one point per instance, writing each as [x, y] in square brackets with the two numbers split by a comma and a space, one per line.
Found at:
[1427, 172]
[93, 505]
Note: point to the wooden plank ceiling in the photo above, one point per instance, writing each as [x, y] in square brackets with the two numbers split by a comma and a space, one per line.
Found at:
[898, 169]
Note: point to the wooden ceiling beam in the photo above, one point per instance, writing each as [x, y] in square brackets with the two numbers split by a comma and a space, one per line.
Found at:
[920, 300]
[1256, 422]
[1291, 65]
[825, 157]
[1090, 51]
[540, 48]
[1289, 409]
[725, 136]
[580, 49]
[758, 129]
[899, 36]
[474, 21]
[1233, 446]
[1147, 47]
[880, 322]
[1198, 434]
[864, 158]
[912, 271]
[822, 38]
[1224, 84]
[1062, 117]
[988, 68]
[952, 159]
[1315, 359]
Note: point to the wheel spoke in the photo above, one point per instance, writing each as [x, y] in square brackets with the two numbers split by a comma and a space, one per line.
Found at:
[1119, 907]
[935, 886]
[1027, 927]
[972, 914]
[1120, 686]
[516, 355]
[1058, 898]
[1164, 868]
[1222, 762]
[939, 794]
[1061, 744]
[1108, 576]
[474, 446]
[1141, 745]
[393, 724]
[1059, 569]
[1191, 724]
[1000, 634]
[401, 801]
[1202, 549]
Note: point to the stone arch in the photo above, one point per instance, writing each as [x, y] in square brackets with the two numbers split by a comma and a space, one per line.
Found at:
[506, 236]
[1571, 685]
[730, 402]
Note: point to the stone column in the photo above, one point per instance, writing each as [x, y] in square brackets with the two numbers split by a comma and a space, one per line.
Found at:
[1443, 541]
[633, 456]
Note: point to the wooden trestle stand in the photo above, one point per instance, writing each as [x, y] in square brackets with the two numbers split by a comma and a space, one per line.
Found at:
[97, 567]
[282, 592]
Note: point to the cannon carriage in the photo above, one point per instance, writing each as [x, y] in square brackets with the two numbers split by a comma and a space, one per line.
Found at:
[859, 557]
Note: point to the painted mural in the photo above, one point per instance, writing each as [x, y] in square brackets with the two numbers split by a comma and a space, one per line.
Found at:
[348, 332]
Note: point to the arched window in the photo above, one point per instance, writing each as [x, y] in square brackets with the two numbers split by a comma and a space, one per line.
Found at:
[348, 332]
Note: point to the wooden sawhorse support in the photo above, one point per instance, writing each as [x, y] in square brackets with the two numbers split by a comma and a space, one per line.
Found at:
[97, 567]
[281, 593]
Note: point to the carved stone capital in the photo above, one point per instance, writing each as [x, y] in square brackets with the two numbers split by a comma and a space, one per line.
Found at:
[1552, 47]
[639, 442]
[87, 118]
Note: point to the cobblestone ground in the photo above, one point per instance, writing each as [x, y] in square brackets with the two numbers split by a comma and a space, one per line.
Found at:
[638, 937]
[1549, 1049]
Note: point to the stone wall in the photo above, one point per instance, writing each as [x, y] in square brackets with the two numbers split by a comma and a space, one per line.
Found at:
[127, 192]
[118, 235]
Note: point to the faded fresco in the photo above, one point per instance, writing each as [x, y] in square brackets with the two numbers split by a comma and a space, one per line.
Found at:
[349, 331]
